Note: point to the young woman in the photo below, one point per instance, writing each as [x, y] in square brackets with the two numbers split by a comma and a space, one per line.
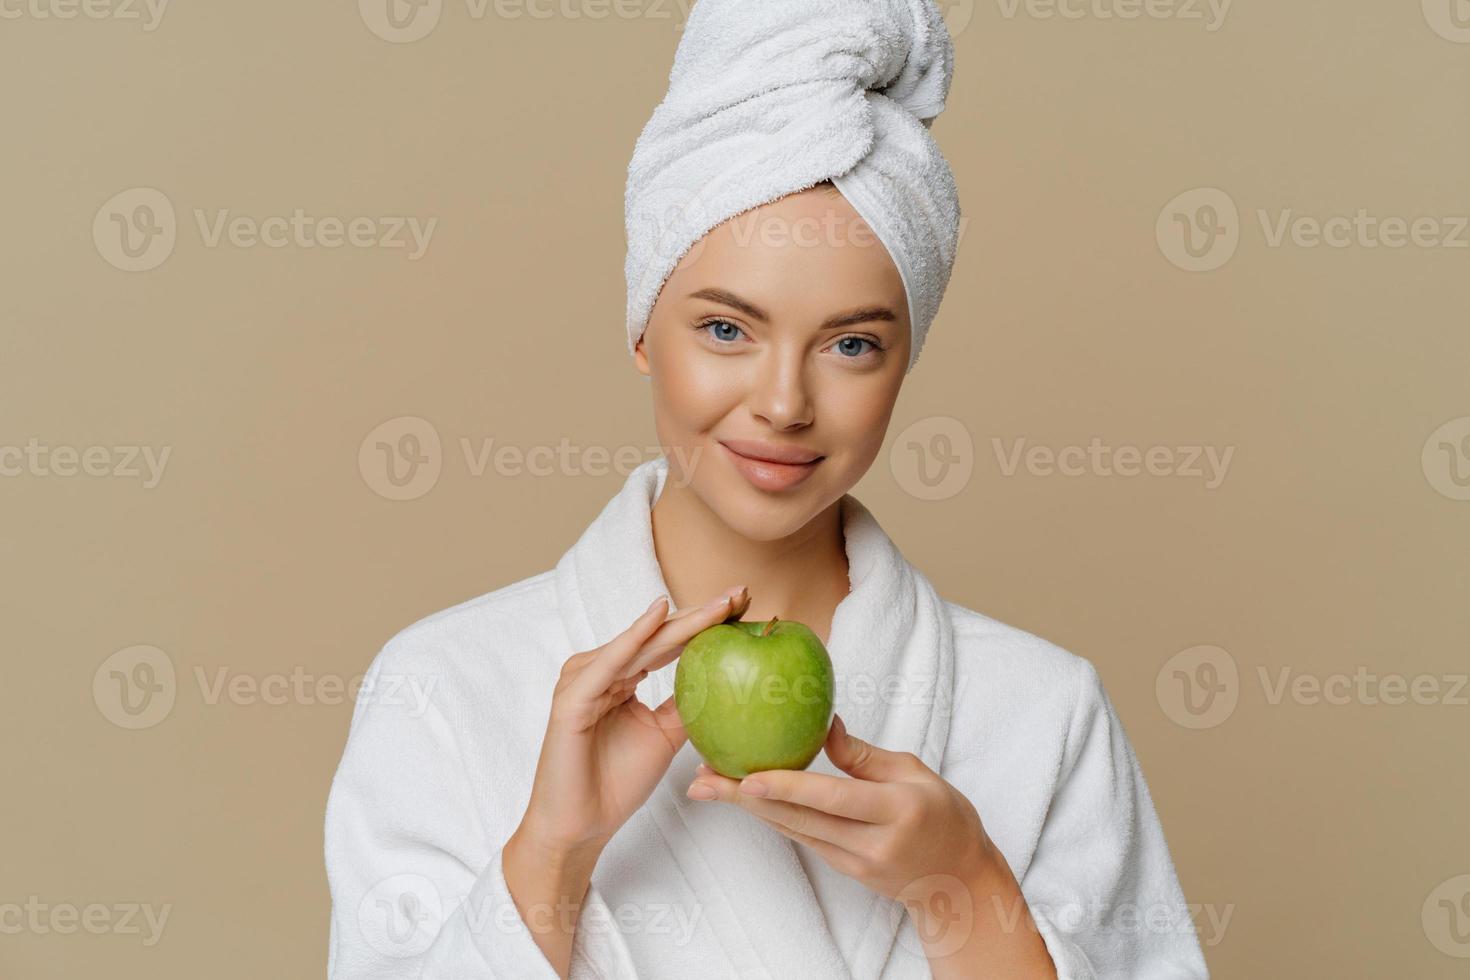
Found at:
[977, 810]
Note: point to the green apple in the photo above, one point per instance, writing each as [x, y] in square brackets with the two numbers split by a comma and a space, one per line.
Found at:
[755, 695]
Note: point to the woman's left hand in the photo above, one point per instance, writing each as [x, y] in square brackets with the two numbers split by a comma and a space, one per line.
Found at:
[896, 826]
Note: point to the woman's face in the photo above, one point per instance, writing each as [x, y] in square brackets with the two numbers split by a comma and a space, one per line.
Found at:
[784, 331]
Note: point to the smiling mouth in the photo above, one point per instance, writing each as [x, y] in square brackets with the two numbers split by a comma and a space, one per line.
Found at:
[770, 475]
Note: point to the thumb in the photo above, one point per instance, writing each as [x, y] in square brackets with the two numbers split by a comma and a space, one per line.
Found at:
[861, 759]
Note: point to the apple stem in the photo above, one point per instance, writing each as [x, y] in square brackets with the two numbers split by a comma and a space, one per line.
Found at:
[770, 626]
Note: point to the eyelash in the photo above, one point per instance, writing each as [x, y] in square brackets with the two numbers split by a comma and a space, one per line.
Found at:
[703, 325]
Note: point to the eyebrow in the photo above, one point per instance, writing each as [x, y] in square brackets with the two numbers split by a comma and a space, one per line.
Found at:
[756, 313]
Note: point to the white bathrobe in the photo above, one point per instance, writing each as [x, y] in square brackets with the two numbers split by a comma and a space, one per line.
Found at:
[443, 745]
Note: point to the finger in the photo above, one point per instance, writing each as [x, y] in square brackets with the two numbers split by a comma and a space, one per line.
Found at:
[856, 799]
[738, 606]
[665, 645]
[628, 683]
[602, 668]
[641, 648]
[865, 760]
[843, 862]
[850, 835]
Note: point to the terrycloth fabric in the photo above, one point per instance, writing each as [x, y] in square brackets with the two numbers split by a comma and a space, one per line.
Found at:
[430, 787]
[768, 97]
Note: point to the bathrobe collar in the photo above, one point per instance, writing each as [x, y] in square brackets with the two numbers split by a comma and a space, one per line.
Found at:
[892, 647]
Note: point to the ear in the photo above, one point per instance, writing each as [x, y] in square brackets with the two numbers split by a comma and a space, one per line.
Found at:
[640, 360]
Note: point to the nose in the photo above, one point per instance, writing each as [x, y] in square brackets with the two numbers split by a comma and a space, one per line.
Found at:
[781, 395]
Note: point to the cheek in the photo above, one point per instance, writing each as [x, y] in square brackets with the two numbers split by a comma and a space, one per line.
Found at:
[857, 416]
[692, 393]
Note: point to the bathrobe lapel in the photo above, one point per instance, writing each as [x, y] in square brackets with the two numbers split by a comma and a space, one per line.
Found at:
[893, 652]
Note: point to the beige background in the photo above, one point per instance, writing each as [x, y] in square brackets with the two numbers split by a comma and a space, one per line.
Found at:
[1327, 833]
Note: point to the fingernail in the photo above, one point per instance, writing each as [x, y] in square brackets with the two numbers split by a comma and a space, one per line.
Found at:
[752, 788]
[652, 604]
[704, 770]
[701, 791]
[723, 600]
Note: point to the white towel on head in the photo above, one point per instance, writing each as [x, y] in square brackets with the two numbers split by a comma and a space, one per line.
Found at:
[769, 97]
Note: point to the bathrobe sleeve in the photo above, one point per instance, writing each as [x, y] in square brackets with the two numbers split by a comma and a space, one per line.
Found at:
[414, 862]
[1102, 886]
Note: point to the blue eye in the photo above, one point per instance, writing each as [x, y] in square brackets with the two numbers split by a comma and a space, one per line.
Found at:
[720, 336]
[842, 345]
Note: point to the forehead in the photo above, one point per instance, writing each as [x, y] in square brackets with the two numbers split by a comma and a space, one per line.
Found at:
[806, 252]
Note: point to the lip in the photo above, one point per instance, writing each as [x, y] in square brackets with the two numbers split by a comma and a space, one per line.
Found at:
[769, 474]
[768, 452]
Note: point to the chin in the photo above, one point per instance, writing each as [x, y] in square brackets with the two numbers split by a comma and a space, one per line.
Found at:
[762, 516]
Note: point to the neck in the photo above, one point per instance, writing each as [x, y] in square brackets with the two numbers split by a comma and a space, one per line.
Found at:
[800, 577]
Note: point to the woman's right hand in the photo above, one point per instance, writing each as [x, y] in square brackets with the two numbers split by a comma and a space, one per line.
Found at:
[604, 750]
